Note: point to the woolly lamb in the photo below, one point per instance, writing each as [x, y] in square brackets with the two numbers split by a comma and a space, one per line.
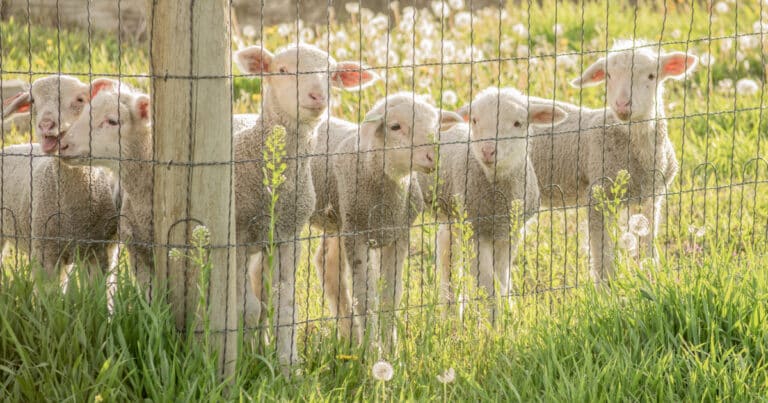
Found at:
[295, 96]
[365, 188]
[486, 180]
[63, 210]
[592, 145]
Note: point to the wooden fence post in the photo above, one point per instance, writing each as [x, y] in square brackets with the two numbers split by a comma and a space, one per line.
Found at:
[193, 178]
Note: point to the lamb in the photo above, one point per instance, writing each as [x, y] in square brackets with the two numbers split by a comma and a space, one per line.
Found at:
[486, 179]
[295, 96]
[115, 133]
[366, 188]
[62, 210]
[595, 144]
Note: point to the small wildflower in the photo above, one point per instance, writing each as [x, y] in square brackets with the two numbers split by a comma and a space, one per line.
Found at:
[249, 31]
[449, 97]
[706, 60]
[201, 235]
[639, 225]
[722, 8]
[740, 56]
[176, 254]
[747, 86]
[380, 22]
[382, 371]
[676, 34]
[352, 7]
[628, 242]
[346, 357]
[447, 377]
[566, 61]
[440, 8]
[98, 399]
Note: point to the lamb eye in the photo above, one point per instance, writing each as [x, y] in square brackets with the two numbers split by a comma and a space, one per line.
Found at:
[395, 127]
[283, 70]
[474, 121]
[112, 122]
[80, 99]
[651, 76]
[608, 75]
[517, 123]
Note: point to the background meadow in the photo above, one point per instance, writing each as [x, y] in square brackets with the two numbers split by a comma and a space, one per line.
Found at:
[692, 328]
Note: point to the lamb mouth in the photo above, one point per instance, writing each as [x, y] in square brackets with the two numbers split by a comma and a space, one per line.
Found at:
[51, 143]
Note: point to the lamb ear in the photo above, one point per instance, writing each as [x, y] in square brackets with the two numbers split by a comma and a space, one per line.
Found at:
[141, 108]
[254, 60]
[18, 103]
[676, 65]
[375, 122]
[449, 119]
[351, 75]
[593, 75]
[463, 112]
[100, 84]
[546, 115]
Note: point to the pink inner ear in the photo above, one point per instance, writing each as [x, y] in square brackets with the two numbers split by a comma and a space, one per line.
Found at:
[23, 107]
[143, 109]
[675, 66]
[257, 63]
[352, 75]
[97, 86]
[542, 117]
[598, 75]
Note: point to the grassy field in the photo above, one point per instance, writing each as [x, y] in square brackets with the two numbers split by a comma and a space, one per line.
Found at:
[693, 328]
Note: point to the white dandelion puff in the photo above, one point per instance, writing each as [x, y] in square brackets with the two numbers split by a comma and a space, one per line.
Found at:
[440, 8]
[706, 60]
[566, 61]
[721, 7]
[382, 371]
[520, 30]
[759, 27]
[249, 31]
[725, 85]
[747, 86]
[447, 377]
[697, 232]
[639, 225]
[747, 42]
[628, 242]
[558, 29]
[676, 34]
[456, 4]
[726, 45]
[380, 22]
[449, 97]
[352, 7]
[462, 19]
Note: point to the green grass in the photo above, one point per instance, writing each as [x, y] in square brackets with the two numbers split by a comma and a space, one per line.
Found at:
[692, 329]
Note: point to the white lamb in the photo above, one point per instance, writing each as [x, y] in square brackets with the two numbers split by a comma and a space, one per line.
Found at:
[593, 145]
[64, 210]
[295, 95]
[366, 196]
[487, 179]
[115, 132]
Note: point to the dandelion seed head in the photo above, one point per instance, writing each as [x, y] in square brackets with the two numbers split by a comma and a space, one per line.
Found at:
[747, 42]
[249, 31]
[520, 30]
[639, 225]
[462, 19]
[721, 7]
[382, 371]
[456, 4]
[725, 85]
[558, 29]
[566, 61]
[449, 97]
[747, 86]
[726, 45]
[448, 376]
[352, 7]
[628, 242]
[706, 59]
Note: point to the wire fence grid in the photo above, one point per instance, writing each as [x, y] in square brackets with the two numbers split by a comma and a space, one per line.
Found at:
[445, 52]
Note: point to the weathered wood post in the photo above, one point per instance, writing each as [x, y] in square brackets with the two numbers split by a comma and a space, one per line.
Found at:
[193, 178]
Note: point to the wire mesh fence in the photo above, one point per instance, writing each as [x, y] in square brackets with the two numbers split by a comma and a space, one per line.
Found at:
[408, 164]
